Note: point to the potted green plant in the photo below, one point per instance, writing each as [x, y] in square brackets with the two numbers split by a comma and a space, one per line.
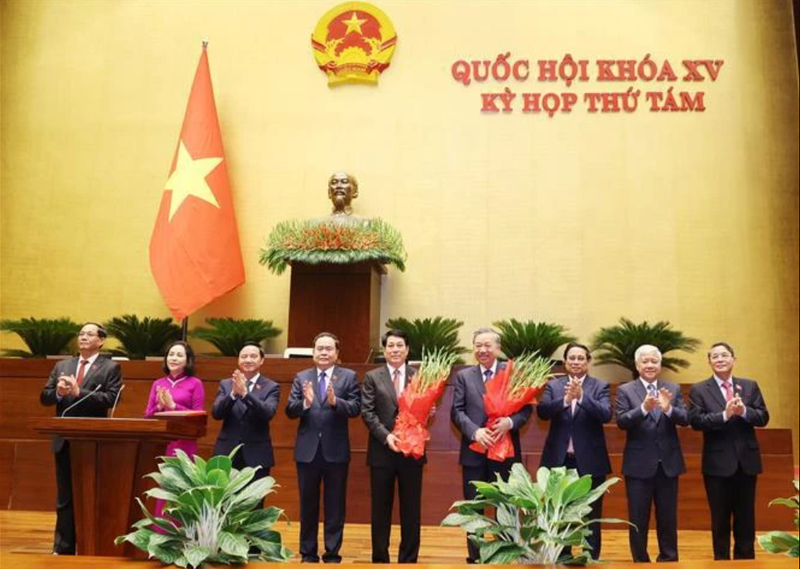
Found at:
[212, 514]
[428, 335]
[43, 336]
[521, 338]
[142, 338]
[617, 344]
[228, 335]
[535, 520]
[781, 541]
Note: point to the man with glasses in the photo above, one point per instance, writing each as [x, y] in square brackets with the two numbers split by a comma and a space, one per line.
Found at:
[324, 398]
[577, 406]
[727, 409]
[83, 386]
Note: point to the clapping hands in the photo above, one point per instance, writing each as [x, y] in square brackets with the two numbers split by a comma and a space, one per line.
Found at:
[574, 391]
[165, 400]
[735, 407]
[67, 385]
[239, 383]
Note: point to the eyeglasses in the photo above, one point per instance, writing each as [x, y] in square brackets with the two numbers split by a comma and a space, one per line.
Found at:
[87, 334]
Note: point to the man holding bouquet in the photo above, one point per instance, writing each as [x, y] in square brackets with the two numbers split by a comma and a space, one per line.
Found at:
[469, 415]
[379, 409]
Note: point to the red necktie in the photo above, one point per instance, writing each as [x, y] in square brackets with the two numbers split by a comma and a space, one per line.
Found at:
[81, 371]
[726, 385]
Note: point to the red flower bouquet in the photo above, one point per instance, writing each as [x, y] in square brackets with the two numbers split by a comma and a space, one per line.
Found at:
[417, 401]
[513, 387]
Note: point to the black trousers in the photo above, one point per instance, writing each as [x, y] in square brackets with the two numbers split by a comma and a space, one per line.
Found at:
[662, 491]
[486, 472]
[732, 496]
[408, 474]
[595, 539]
[333, 475]
[64, 538]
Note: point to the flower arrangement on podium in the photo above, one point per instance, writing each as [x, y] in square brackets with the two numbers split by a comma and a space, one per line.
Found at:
[331, 240]
[518, 384]
[418, 399]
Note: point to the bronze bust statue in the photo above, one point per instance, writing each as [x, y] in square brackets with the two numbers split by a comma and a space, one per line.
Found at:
[342, 190]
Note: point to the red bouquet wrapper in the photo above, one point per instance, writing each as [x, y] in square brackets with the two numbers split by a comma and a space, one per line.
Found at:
[411, 427]
[498, 402]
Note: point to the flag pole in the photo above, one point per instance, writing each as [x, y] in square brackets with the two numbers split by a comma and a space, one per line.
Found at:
[184, 328]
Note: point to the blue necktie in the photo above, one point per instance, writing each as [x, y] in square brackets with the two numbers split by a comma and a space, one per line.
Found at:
[655, 413]
[323, 389]
[487, 376]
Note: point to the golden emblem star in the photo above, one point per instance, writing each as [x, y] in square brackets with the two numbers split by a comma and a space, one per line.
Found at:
[354, 24]
[189, 179]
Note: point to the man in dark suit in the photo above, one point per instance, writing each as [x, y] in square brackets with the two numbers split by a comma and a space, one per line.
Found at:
[85, 386]
[727, 409]
[578, 406]
[469, 415]
[649, 409]
[323, 398]
[246, 403]
[379, 409]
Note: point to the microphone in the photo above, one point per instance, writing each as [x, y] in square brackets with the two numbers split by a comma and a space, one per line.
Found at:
[98, 386]
[116, 400]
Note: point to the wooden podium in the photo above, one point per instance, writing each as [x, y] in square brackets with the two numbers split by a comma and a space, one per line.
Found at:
[109, 459]
[343, 299]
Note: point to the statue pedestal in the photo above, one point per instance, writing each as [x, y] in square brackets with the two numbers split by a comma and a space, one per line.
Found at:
[342, 299]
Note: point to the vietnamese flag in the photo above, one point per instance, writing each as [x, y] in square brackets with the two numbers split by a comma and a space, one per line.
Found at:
[194, 251]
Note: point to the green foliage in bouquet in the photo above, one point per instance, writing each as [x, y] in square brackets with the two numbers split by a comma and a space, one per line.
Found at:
[617, 344]
[213, 514]
[43, 336]
[519, 338]
[780, 541]
[535, 520]
[316, 242]
[229, 335]
[429, 335]
[142, 338]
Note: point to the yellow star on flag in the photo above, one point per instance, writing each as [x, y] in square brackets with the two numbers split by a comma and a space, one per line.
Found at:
[189, 179]
[354, 24]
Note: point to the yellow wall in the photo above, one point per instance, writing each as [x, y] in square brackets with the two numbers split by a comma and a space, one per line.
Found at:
[579, 219]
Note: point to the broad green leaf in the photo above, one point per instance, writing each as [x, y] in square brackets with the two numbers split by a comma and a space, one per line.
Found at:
[161, 494]
[487, 490]
[507, 516]
[218, 462]
[489, 549]
[139, 538]
[218, 477]
[543, 478]
[478, 525]
[167, 554]
[200, 464]
[255, 492]
[506, 555]
[577, 489]
[196, 554]
[234, 545]
[261, 520]
[788, 502]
